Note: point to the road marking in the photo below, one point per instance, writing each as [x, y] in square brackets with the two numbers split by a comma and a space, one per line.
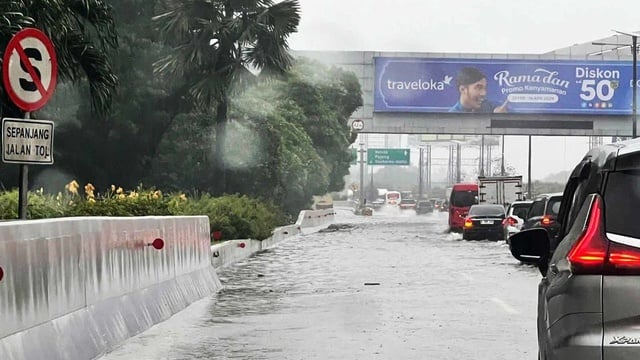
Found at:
[466, 276]
[506, 307]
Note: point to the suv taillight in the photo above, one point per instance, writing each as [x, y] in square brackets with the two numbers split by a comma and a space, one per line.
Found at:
[546, 220]
[593, 253]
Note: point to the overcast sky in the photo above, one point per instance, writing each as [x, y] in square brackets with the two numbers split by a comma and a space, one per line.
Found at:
[466, 26]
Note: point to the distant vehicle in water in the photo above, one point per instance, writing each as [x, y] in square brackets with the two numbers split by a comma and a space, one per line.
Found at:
[436, 203]
[424, 207]
[463, 196]
[393, 197]
[377, 203]
[407, 204]
[543, 213]
[516, 216]
[484, 222]
[322, 202]
[503, 190]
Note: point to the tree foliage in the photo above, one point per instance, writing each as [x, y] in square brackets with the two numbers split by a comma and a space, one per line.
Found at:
[286, 136]
[327, 98]
[216, 44]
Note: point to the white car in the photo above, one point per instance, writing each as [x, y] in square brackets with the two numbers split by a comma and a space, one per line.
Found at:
[516, 215]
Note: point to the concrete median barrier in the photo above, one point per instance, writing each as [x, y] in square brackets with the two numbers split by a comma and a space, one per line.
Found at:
[75, 288]
[231, 251]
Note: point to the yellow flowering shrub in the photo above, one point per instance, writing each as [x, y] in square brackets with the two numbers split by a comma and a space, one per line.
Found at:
[232, 216]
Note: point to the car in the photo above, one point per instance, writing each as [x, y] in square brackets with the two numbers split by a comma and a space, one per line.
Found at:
[424, 207]
[516, 215]
[588, 304]
[484, 222]
[407, 204]
[377, 203]
[543, 213]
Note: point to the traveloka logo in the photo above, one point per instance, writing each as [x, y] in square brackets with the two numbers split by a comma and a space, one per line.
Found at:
[420, 84]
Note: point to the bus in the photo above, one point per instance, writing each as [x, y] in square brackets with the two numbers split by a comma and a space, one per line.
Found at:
[392, 198]
[463, 195]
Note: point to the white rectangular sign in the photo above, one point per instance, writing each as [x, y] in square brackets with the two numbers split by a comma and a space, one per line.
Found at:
[27, 141]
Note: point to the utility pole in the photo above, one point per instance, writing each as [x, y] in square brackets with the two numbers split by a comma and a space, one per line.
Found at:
[428, 174]
[488, 169]
[458, 163]
[502, 158]
[481, 170]
[421, 171]
[529, 194]
[362, 160]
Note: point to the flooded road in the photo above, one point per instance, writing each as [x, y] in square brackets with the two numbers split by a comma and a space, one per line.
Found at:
[391, 286]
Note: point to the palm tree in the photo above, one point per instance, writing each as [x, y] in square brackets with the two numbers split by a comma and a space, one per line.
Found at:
[81, 31]
[215, 45]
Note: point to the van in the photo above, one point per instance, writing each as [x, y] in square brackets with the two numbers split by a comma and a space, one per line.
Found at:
[463, 196]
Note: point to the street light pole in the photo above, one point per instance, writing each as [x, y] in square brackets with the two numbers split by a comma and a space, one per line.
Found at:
[420, 172]
[634, 53]
[634, 50]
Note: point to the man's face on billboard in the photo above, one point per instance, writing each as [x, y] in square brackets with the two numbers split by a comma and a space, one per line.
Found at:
[472, 95]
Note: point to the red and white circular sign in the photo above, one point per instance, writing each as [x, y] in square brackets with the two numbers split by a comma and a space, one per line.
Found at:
[29, 70]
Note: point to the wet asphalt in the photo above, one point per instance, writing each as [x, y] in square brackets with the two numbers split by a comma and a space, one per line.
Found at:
[392, 286]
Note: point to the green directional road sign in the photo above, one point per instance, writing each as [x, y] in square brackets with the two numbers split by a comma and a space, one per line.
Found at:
[388, 156]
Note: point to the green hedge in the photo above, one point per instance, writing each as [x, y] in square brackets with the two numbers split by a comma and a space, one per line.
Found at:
[235, 216]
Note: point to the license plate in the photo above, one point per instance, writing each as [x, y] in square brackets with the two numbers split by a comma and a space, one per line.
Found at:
[486, 222]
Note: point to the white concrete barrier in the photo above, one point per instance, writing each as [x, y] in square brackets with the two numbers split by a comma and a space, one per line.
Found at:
[74, 288]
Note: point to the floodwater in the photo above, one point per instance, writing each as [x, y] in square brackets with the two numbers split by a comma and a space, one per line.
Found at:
[391, 286]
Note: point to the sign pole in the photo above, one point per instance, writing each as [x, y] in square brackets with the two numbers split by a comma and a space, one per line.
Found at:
[24, 185]
[29, 73]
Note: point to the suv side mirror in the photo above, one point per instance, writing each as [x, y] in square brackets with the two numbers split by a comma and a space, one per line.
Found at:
[532, 247]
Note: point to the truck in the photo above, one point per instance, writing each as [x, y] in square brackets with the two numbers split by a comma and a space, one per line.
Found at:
[502, 190]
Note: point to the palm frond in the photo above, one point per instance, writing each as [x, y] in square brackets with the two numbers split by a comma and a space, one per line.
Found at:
[93, 63]
[214, 41]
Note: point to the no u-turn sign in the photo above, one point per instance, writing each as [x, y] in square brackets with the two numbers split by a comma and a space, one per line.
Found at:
[29, 70]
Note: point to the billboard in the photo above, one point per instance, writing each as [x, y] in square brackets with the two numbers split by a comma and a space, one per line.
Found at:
[512, 86]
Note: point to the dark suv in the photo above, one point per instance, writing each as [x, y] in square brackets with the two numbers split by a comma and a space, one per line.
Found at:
[589, 296]
[543, 213]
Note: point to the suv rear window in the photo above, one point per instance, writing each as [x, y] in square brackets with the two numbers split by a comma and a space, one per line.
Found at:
[520, 210]
[486, 210]
[622, 198]
[537, 209]
[553, 206]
